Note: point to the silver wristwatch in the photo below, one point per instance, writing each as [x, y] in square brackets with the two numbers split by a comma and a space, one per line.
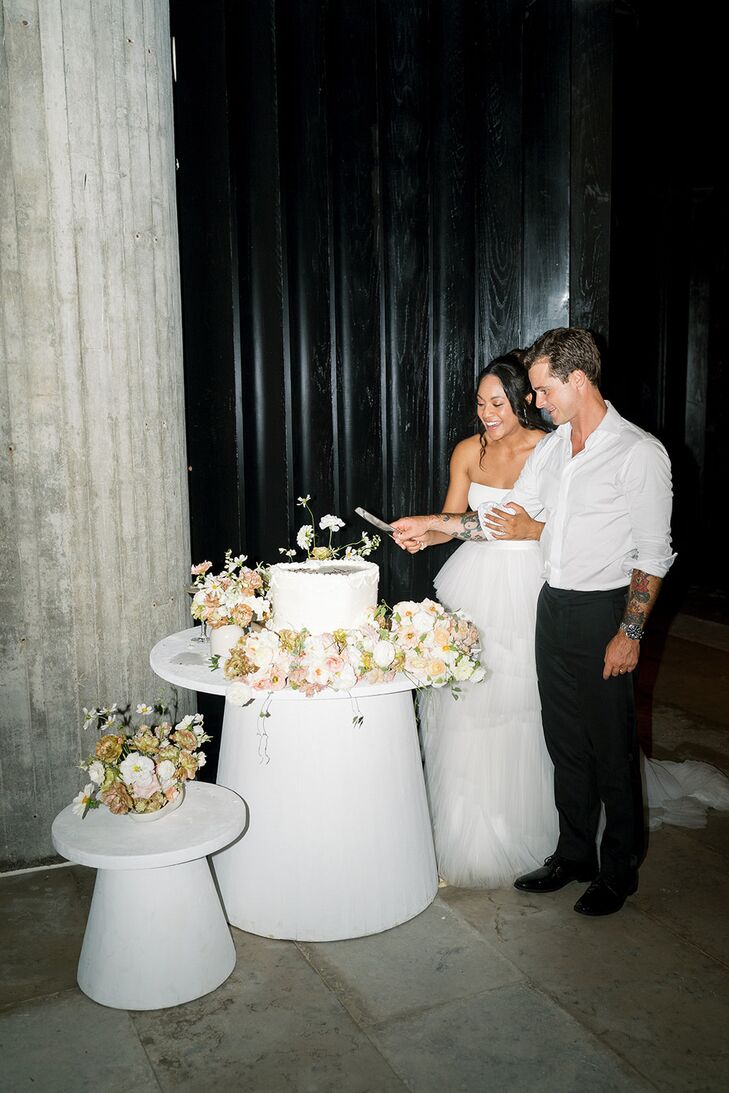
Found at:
[632, 630]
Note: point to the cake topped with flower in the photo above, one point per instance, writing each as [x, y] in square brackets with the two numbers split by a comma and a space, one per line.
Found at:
[314, 622]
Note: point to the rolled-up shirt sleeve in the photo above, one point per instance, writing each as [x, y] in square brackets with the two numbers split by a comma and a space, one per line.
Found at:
[646, 479]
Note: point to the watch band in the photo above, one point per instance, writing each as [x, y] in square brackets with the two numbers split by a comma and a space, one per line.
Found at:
[632, 630]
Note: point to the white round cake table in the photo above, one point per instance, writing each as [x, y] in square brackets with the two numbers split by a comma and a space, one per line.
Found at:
[156, 935]
[339, 842]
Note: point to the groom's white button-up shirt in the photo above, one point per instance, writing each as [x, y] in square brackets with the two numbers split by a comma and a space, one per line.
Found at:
[607, 510]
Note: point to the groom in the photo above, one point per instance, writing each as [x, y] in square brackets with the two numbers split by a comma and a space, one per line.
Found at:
[603, 488]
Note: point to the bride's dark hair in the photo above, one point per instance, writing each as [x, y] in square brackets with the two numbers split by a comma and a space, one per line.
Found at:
[514, 378]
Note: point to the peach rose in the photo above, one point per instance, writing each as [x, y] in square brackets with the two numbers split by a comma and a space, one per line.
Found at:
[117, 798]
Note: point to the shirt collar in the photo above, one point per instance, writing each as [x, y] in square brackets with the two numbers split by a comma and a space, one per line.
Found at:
[609, 424]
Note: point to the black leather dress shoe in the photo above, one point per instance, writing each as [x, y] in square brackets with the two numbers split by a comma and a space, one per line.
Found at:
[555, 874]
[606, 895]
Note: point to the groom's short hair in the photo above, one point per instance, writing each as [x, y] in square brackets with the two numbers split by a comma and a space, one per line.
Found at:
[568, 348]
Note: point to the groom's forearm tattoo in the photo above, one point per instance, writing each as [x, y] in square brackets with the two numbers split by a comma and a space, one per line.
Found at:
[642, 595]
[461, 525]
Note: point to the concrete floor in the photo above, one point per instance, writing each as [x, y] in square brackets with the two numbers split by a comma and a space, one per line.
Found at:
[484, 991]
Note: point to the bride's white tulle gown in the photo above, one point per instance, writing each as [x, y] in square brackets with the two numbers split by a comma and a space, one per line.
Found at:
[488, 773]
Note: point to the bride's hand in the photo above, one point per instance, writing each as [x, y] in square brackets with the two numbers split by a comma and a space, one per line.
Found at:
[410, 530]
[513, 522]
[414, 546]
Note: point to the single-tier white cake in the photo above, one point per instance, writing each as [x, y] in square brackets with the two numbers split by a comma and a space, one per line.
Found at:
[322, 596]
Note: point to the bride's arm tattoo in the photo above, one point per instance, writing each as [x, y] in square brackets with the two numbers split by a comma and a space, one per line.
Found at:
[461, 525]
[642, 594]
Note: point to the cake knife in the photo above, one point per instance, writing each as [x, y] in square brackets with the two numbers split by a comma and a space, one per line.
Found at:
[375, 520]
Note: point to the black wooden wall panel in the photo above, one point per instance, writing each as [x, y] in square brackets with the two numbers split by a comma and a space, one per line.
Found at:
[547, 152]
[303, 144]
[207, 238]
[403, 53]
[590, 170]
[453, 316]
[378, 196]
[497, 140]
[264, 331]
[355, 233]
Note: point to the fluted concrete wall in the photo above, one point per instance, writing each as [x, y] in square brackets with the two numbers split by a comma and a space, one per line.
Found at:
[94, 548]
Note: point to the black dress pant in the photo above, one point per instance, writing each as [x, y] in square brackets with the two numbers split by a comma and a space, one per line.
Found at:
[590, 728]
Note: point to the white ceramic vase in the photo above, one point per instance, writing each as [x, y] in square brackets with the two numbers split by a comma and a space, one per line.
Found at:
[171, 806]
[222, 640]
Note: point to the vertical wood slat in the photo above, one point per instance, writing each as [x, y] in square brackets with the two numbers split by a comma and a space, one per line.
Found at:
[263, 316]
[497, 140]
[403, 51]
[699, 326]
[590, 165]
[90, 336]
[355, 241]
[546, 89]
[452, 251]
[304, 156]
[207, 258]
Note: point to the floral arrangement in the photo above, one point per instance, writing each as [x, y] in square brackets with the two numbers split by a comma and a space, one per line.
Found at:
[306, 539]
[143, 767]
[430, 645]
[237, 596]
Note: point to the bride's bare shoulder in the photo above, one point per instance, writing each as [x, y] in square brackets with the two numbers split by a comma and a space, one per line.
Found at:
[467, 448]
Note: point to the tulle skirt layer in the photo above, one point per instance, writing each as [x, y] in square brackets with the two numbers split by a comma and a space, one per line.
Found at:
[488, 774]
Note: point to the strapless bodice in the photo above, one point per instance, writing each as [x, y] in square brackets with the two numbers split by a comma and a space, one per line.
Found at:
[482, 495]
[492, 495]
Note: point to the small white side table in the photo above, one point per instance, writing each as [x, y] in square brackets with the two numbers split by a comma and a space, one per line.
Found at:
[156, 935]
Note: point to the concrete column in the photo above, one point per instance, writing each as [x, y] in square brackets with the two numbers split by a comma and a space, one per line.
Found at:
[94, 547]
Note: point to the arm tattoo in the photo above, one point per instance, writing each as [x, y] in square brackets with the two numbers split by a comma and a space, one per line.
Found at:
[461, 525]
[642, 595]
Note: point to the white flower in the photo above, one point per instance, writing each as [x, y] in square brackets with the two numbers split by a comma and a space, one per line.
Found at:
[303, 500]
[186, 722]
[344, 679]
[305, 536]
[239, 694]
[143, 708]
[235, 563]
[383, 654]
[201, 759]
[96, 772]
[136, 768]
[166, 773]
[423, 621]
[82, 799]
[332, 522]
[463, 670]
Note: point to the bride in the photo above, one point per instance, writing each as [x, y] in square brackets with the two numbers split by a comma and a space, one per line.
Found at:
[488, 774]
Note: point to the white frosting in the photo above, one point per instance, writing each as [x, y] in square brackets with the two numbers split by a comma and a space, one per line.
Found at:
[322, 596]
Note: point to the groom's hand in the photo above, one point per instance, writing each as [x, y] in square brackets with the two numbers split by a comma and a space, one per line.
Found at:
[512, 522]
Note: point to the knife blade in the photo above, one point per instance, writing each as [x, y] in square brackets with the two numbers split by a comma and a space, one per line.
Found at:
[375, 521]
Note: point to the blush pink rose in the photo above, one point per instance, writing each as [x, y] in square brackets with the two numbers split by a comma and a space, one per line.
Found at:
[144, 790]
